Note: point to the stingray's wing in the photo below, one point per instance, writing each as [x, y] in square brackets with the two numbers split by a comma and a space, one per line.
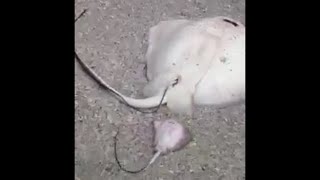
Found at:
[159, 35]
[224, 82]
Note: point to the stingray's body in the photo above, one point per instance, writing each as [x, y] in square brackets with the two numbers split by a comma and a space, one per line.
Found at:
[207, 55]
[194, 62]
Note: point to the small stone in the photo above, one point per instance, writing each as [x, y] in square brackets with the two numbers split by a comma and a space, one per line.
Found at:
[114, 133]
[193, 144]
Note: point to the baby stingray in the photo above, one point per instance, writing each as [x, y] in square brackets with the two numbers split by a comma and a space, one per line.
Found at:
[169, 136]
[190, 62]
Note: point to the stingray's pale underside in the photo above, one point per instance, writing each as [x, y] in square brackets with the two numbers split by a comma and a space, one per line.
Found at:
[193, 63]
[207, 55]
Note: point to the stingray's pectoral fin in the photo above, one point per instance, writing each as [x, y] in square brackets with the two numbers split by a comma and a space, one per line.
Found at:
[180, 100]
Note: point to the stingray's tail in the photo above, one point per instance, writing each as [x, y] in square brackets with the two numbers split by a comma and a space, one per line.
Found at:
[155, 156]
[151, 102]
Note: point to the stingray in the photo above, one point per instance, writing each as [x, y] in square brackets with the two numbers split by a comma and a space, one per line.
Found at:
[190, 63]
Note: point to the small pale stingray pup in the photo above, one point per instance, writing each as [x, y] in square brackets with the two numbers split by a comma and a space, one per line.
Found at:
[191, 62]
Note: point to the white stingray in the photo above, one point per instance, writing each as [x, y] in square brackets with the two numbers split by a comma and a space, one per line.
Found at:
[200, 62]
